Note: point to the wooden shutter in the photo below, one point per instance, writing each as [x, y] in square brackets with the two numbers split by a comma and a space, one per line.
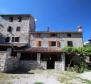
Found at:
[49, 43]
[38, 43]
[58, 43]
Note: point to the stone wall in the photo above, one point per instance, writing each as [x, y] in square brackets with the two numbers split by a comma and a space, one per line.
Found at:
[26, 25]
[32, 65]
[43, 65]
[8, 63]
[3, 55]
[12, 63]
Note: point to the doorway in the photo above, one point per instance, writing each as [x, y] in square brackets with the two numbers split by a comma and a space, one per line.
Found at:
[50, 63]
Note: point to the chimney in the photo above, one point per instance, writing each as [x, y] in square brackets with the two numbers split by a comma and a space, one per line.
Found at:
[79, 28]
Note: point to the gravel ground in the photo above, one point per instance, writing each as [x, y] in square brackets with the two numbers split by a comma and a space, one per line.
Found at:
[36, 78]
[31, 79]
[46, 77]
[86, 75]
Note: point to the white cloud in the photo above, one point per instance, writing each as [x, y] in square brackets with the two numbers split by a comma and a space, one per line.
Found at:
[86, 42]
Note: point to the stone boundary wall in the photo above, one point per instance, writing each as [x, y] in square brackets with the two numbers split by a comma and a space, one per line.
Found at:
[8, 63]
[25, 64]
[3, 55]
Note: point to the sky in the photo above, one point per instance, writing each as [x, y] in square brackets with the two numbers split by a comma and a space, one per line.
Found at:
[58, 15]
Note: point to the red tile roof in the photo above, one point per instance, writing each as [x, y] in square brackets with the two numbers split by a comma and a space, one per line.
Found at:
[41, 49]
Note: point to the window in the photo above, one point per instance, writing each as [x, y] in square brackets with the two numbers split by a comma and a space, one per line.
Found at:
[39, 43]
[11, 19]
[53, 43]
[12, 39]
[7, 39]
[16, 39]
[53, 35]
[9, 29]
[38, 35]
[70, 43]
[19, 19]
[18, 28]
[68, 35]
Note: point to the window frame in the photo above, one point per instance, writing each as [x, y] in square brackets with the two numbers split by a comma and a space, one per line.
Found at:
[8, 39]
[11, 19]
[69, 35]
[53, 43]
[19, 19]
[18, 28]
[70, 43]
[17, 39]
[10, 29]
[53, 35]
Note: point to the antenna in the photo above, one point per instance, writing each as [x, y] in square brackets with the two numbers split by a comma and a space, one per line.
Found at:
[48, 29]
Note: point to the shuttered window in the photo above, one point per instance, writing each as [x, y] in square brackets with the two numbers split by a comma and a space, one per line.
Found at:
[49, 43]
[38, 43]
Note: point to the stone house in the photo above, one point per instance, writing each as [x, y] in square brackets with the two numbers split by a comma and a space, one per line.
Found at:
[22, 46]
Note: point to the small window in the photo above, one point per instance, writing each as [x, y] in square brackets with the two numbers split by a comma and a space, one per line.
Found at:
[16, 39]
[12, 39]
[7, 39]
[39, 43]
[70, 43]
[68, 35]
[53, 35]
[18, 28]
[9, 29]
[53, 43]
[38, 35]
[19, 19]
[11, 19]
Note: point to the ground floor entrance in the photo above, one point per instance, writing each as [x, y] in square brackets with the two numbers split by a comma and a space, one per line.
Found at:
[43, 60]
[50, 63]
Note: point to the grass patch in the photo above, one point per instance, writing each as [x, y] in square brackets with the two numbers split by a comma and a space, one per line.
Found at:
[67, 76]
[38, 83]
[86, 81]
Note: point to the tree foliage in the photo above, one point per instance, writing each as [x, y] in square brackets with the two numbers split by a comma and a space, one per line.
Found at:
[86, 50]
[80, 52]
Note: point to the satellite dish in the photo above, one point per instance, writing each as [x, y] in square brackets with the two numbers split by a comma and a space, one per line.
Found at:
[36, 20]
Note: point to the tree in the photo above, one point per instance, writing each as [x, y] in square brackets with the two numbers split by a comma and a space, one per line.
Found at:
[78, 58]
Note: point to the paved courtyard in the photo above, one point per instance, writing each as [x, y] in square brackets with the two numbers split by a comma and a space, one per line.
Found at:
[46, 77]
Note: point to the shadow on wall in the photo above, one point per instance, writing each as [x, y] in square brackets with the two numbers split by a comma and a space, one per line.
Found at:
[25, 67]
[2, 39]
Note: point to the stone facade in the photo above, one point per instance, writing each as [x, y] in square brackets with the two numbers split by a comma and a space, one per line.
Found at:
[8, 63]
[20, 29]
[76, 38]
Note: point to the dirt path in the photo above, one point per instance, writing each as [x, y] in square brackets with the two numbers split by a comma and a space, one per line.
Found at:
[31, 79]
[45, 77]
